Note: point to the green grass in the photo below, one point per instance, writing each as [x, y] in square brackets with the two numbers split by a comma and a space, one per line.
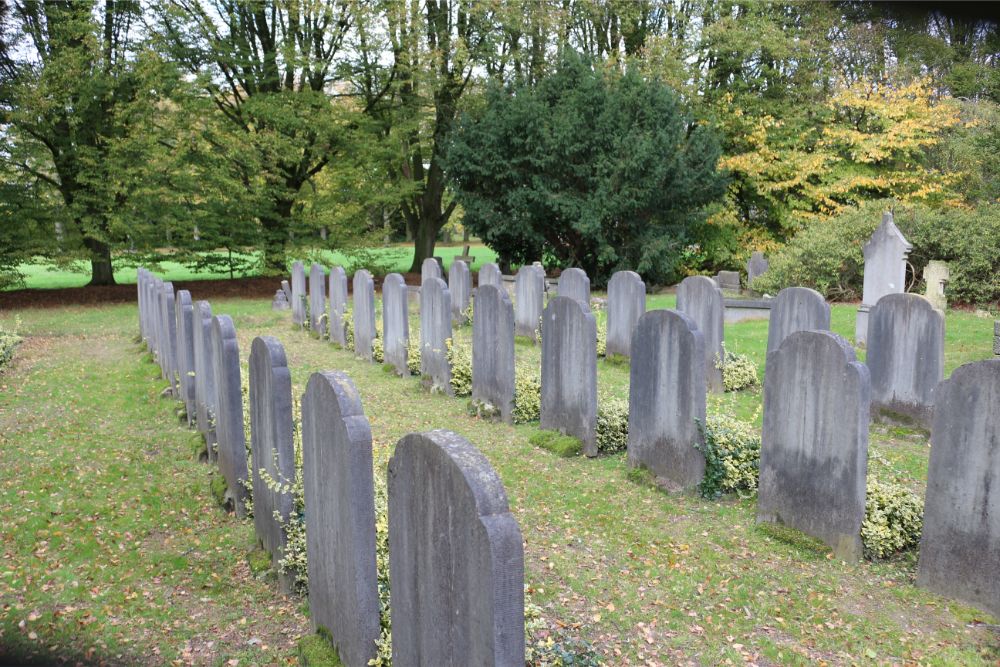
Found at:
[556, 442]
[113, 542]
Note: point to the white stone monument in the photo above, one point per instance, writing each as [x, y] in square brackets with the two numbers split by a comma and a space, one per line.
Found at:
[885, 270]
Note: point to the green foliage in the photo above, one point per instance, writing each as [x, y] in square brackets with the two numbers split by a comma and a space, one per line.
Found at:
[527, 395]
[259, 562]
[599, 169]
[738, 370]
[612, 425]
[557, 443]
[602, 338]
[894, 518]
[9, 340]
[460, 359]
[732, 456]
[413, 355]
[219, 487]
[317, 651]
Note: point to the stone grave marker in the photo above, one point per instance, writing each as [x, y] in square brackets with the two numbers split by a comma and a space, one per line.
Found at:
[298, 294]
[168, 314]
[364, 314]
[204, 376]
[757, 266]
[338, 305]
[280, 301]
[490, 274]
[431, 268]
[626, 304]
[317, 300]
[701, 299]
[885, 270]
[435, 330]
[185, 352]
[529, 299]
[493, 350]
[229, 412]
[575, 284]
[728, 280]
[395, 323]
[936, 277]
[460, 288]
[569, 371]
[796, 309]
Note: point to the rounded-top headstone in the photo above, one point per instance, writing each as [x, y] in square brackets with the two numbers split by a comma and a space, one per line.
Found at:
[460, 287]
[490, 274]
[626, 304]
[796, 309]
[435, 330]
[575, 284]
[701, 299]
[430, 268]
[493, 350]
[364, 314]
[395, 322]
[529, 300]
[569, 371]
[229, 411]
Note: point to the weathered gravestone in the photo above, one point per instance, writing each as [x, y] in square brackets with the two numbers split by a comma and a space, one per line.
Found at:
[456, 557]
[168, 316]
[529, 299]
[431, 268]
[490, 274]
[701, 299]
[569, 371]
[814, 443]
[728, 280]
[140, 287]
[317, 300]
[575, 284]
[273, 454]
[229, 412]
[460, 288]
[185, 352]
[666, 399]
[338, 305]
[435, 330]
[796, 309]
[298, 294]
[280, 301]
[757, 266]
[905, 356]
[996, 337]
[395, 323]
[960, 544]
[287, 289]
[204, 376]
[156, 319]
[340, 516]
[364, 314]
[936, 275]
[626, 304]
[493, 350]
[885, 271]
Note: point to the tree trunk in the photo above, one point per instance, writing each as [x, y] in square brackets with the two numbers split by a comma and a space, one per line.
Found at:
[101, 271]
[275, 229]
[424, 237]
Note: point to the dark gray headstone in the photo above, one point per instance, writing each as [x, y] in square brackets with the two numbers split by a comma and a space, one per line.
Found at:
[757, 266]
[435, 330]
[796, 309]
[490, 274]
[287, 289]
[960, 545]
[169, 315]
[905, 356]
[575, 284]
[666, 399]
[156, 313]
[185, 352]
[569, 371]
[271, 444]
[996, 338]
[728, 280]
[364, 314]
[229, 411]
[204, 376]
[460, 287]
[814, 447]
[493, 350]
[701, 299]
[140, 286]
[317, 299]
[395, 322]
[626, 304]
[298, 294]
[338, 305]
[456, 557]
[529, 299]
[431, 268]
[340, 516]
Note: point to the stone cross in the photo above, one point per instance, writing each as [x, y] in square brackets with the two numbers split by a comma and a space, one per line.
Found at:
[626, 304]
[460, 287]
[529, 299]
[936, 275]
[456, 557]
[229, 412]
[364, 314]
[575, 284]
[701, 299]
[569, 371]
[435, 331]
[204, 376]
[796, 309]
[395, 323]
[298, 294]
[493, 350]
[490, 274]
[317, 299]
[185, 352]
[885, 270]
[338, 305]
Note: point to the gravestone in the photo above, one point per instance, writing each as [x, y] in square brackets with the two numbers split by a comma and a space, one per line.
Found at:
[204, 376]
[700, 298]
[569, 371]
[435, 330]
[996, 337]
[885, 271]
[460, 287]
[626, 304]
[340, 518]
[156, 318]
[298, 294]
[317, 300]
[493, 350]
[273, 452]
[287, 289]
[728, 280]
[667, 397]
[490, 274]
[395, 323]
[280, 301]
[338, 305]
[456, 557]
[140, 286]
[757, 266]
[936, 275]
[960, 544]
[431, 268]
[466, 256]
[796, 309]
[185, 352]
[575, 284]
[364, 314]
[905, 356]
[229, 412]
[529, 299]
[168, 314]
[814, 443]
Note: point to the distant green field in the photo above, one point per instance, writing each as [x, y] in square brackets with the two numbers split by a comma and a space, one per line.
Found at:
[390, 258]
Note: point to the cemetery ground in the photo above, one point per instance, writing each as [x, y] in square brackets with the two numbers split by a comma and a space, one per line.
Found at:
[115, 551]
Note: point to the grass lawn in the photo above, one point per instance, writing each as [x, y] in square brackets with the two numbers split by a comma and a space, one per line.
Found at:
[113, 547]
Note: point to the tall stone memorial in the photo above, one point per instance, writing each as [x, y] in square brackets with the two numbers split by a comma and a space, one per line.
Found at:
[936, 277]
[626, 304]
[905, 356]
[338, 305]
[575, 284]
[273, 452]
[456, 557]
[814, 443]
[885, 271]
[395, 323]
[796, 309]
[317, 300]
[460, 288]
[364, 314]
[490, 274]
[340, 518]
[204, 376]
[667, 397]
[298, 294]
[229, 412]
[529, 299]
[701, 299]
[493, 350]
[569, 371]
[185, 352]
[435, 330]
[960, 544]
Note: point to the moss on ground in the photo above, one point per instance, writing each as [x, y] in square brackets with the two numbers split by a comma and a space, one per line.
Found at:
[557, 443]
